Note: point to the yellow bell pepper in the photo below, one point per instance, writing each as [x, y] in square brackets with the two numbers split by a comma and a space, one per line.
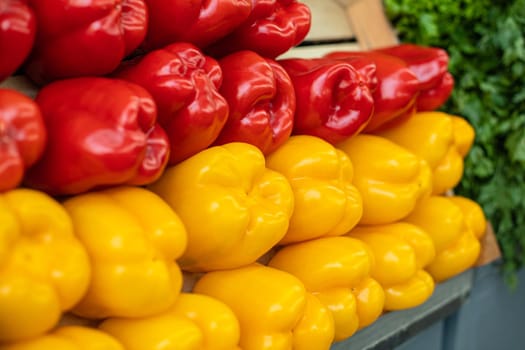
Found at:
[133, 238]
[326, 202]
[272, 306]
[68, 338]
[472, 213]
[457, 248]
[233, 207]
[336, 270]
[315, 330]
[464, 135]
[401, 251]
[164, 331]
[44, 269]
[218, 323]
[195, 321]
[391, 179]
[441, 139]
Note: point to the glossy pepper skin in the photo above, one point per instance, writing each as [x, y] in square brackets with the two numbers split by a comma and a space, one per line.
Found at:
[219, 325]
[457, 247]
[154, 332]
[401, 251]
[101, 132]
[472, 214]
[464, 135]
[261, 98]
[275, 319]
[273, 27]
[198, 22]
[184, 84]
[195, 321]
[315, 330]
[450, 171]
[391, 179]
[334, 101]
[44, 269]
[430, 65]
[22, 137]
[81, 38]
[17, 35]
[234, 208]
[326, 202]
[133, 239]
[337, 271]
[432, 136]
[68, 338]
[397, 87]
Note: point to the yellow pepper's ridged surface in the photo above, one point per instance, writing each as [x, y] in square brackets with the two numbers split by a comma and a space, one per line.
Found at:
[464, 135]
[44, 269]
[133, 238]
[457, 247]
[326, 202]
[233, 207]
[195, 321]
[336, 270]
[401, 251]
[165, 331]
[443, 140]
[218, 323]
[472, 213]
[270, 305]
[69, 338]
[315, 330]
[448, 173]
[391, 179]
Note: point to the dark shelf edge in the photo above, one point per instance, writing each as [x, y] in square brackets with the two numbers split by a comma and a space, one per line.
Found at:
[394, 328]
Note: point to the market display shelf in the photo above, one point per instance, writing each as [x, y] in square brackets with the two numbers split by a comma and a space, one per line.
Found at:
[394, 328]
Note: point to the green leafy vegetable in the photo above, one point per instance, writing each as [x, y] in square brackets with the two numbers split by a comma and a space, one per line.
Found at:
[486, 43]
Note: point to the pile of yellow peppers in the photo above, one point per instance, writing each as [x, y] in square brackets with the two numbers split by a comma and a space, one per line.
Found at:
[295, 250]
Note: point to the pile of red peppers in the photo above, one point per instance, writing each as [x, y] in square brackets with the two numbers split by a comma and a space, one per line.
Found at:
[129, 87]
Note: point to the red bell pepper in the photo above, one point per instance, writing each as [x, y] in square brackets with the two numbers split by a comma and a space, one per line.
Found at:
[432, 99]
[17, 34]
[78, 38]
[261, 99]
[101, 132]
[183, 83]
[22, 137]
[397, 87]
[430, 64]
[200, 22]
[274, 26]
[367, 68]
[334, 101]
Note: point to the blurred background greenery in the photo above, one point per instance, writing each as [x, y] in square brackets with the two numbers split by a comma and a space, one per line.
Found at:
[486, 43]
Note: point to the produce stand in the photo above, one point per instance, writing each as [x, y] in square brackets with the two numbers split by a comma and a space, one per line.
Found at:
[361, 25]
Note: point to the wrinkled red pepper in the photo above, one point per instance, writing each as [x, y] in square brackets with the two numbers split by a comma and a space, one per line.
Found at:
[22, 137]
[396, 91]
[17, 34]
[334, 101]
[184, 84]
[200, 22]
[79, 38]
[274, 27]
[261, 99]
[101, 132]
[430, 65]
